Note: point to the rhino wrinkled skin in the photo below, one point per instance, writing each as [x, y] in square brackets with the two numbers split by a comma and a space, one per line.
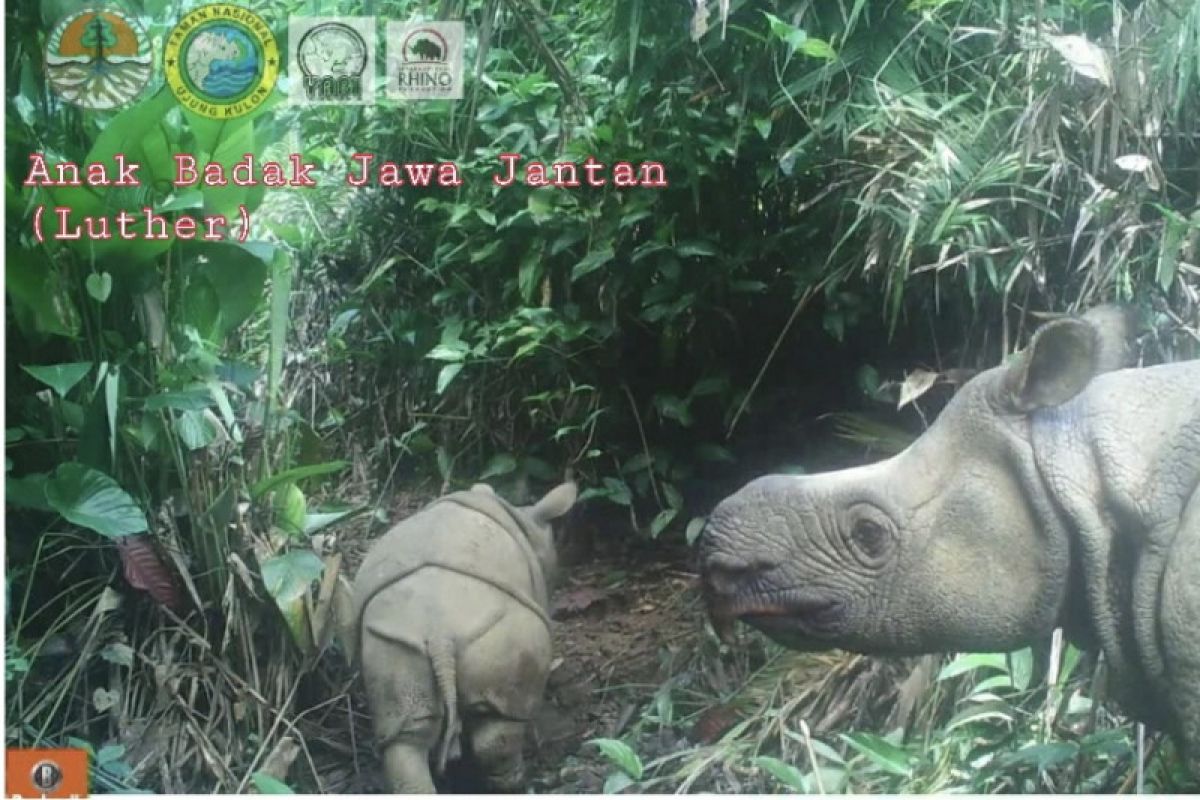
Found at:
[448, 623]
[1059, 490]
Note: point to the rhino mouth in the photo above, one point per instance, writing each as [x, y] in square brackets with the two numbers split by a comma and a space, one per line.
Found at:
[787, 615]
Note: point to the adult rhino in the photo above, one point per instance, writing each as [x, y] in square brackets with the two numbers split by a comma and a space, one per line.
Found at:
[1056, 490]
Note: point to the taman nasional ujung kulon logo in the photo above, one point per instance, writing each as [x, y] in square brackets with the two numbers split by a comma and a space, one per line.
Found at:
[98, 59]
[425, 60]
[331, 60]
[221, 61]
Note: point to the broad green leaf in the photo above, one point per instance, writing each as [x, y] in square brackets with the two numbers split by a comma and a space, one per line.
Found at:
[288, 578]
[195, 398]
[817, 48]
[970, 661]
[501, 464]
[695, 247]
[296, 474]
[267, 784]
[455, 351]
[592, 262]
[661, 521]
[99, 286]
[446, 374]
[235, 273]
[291, 509]
[28, 491]
[785, 773]
[694, 528]
[40, 301]
[91, 499]
[976, 712]
[60, 377]
[621, 755]
[194, 429]
[881, 752]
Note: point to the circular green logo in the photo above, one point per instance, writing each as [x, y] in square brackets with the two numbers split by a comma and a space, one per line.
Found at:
[221, 61]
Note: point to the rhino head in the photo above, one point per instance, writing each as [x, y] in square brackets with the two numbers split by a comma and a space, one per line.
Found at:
[953, 544]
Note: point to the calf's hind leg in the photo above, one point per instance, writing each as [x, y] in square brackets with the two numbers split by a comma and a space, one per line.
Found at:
[406, 765]
[496, 744]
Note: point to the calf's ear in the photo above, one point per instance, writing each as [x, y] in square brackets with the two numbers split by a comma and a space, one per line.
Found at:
[556, 503]
[1065, 355]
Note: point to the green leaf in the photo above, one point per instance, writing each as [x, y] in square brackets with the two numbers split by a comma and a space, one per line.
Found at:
[196, 398]
[501, 464]
[786, 774]
[621, 755]
[99, 286]
[91, 499]
[451, 351]
[818, 48]
[486, 216]
[60, 377]
[970, 661]
[296, 474]
[446, 374]
[40, 301]
[661, 521]
[288, 579]
[592, 262]
[195, 430]
[28, 491]
[291, 509]
[267, 784]
[235, 273]
[977, 712]
[695, 247]
[694, 528]
[320, 520]
[881, 752]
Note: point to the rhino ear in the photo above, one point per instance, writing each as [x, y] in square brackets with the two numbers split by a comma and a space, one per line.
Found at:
[1065, 355]
[483, 487]
[556, 503]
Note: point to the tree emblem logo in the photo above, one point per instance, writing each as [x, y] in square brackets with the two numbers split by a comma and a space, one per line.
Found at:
[98, 59]
[221, 61]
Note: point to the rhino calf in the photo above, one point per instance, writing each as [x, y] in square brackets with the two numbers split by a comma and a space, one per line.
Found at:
[1057, 490]
[448, 622]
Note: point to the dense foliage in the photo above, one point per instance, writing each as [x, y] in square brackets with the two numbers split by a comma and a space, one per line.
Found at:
[854, 188]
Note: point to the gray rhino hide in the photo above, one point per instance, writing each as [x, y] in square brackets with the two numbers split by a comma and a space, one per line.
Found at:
[1053, 491]
[449, 611]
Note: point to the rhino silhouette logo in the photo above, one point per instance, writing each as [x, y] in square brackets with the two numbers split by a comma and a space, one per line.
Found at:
[427, 50]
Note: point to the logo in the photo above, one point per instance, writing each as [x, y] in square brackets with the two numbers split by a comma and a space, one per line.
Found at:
[331, 59]
[221, 61]
[45, 773]
[98, 59]
[425, 60]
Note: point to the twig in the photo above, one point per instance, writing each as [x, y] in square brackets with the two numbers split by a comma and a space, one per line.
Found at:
[778, 340]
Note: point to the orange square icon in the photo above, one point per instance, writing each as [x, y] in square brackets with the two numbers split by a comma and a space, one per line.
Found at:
[45, 772]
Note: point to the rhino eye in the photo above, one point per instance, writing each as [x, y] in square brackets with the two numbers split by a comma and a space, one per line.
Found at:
[870, 537]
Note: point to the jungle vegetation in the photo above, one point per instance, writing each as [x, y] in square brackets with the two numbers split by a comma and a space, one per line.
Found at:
[866, 201]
